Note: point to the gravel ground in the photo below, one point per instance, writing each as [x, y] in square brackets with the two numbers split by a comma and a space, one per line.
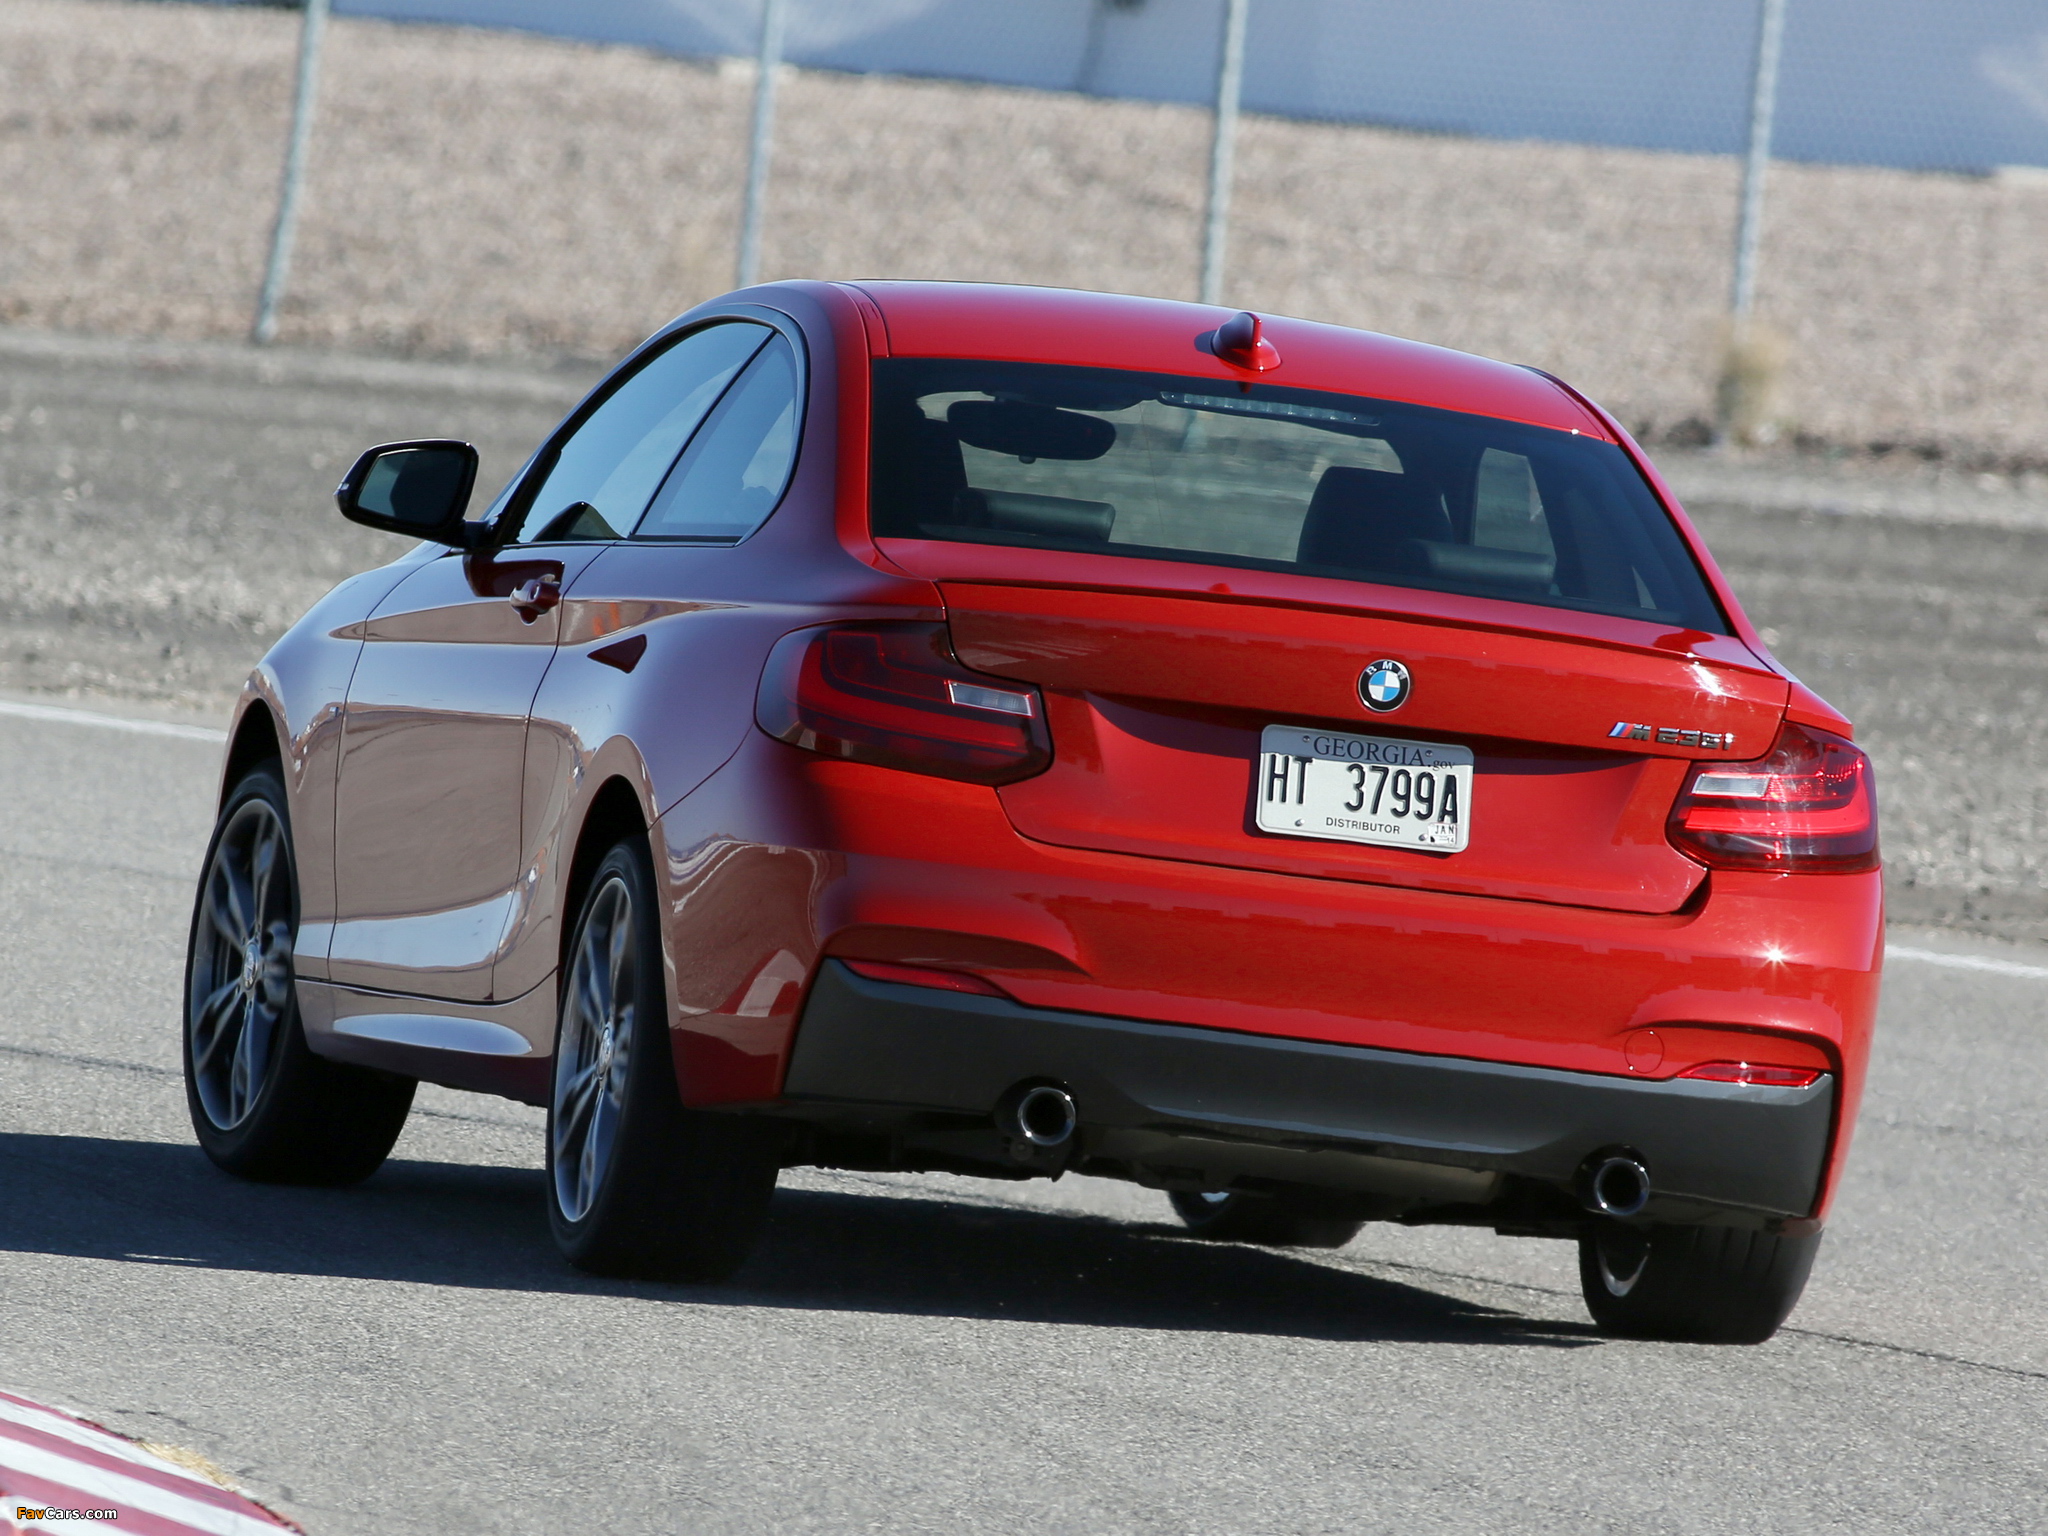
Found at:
[479, 194]
[165, 513]
[1933, 637]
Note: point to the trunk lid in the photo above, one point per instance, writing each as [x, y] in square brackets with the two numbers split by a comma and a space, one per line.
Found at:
[1156, 703]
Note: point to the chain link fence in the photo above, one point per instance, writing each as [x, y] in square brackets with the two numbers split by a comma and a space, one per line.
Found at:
[1559, 183]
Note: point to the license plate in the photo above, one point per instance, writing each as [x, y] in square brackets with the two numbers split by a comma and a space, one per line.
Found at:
[1364, 789]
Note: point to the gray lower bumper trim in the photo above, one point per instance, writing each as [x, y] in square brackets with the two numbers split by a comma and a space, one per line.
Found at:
[919, 1048]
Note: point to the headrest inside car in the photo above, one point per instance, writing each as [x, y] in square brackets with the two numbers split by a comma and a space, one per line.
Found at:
[1360, 519]
[1050, 517]
[917, 467]
[1483, 566]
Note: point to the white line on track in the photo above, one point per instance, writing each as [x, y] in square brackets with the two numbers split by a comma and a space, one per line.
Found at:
[1966, 962]
[57, 716]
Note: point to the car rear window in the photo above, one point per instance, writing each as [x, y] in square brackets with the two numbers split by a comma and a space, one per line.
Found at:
[1156, 465]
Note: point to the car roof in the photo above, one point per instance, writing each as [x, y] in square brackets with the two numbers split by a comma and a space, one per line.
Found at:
[1111, 330]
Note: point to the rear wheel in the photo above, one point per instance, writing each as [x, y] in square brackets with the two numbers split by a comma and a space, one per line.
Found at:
[1228, 1216]
[637, 1184]
[263, 1105]
[1705, 1285]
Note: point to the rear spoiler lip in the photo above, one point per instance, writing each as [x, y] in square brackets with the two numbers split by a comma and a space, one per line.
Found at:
[1803, 705]
[909, 555]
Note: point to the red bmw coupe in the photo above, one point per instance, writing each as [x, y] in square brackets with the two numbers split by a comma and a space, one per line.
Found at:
[1009, 731]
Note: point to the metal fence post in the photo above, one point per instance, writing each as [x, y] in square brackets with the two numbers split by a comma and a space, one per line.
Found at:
[1222, 147]
[274, 275]
[773, 15]
[1763, 101]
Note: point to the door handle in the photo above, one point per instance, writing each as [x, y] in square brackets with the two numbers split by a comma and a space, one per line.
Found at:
[536, 596]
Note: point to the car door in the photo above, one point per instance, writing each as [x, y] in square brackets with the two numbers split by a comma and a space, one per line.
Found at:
[427, 798]
[650, 631]
[429, 873]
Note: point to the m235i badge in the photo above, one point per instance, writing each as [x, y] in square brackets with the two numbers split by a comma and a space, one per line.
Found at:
[1671, 736]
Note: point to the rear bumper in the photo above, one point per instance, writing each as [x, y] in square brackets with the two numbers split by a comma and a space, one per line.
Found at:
[1197, 1107]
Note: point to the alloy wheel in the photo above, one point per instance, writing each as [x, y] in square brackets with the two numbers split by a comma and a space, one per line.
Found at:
[241, 975]
[593, 1058]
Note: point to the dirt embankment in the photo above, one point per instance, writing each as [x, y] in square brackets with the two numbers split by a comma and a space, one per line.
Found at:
[476, 194]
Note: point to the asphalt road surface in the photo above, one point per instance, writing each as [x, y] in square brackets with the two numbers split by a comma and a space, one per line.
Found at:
[938, 1354]
[929, 1353]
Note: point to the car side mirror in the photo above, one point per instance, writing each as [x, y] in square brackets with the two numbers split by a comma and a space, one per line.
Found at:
[420, 489]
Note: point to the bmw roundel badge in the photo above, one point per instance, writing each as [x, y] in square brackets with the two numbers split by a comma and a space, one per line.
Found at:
[1383, 686]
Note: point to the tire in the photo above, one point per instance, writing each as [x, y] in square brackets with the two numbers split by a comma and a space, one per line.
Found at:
[1702, 1285]
[1230, 1217]
[263, 1106]
[638, 1185]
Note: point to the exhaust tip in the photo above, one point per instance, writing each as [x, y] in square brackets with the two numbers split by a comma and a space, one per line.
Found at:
[1618, 1186]
[1045, 1116]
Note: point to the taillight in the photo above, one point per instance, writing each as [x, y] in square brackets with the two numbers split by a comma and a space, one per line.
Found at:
[893, 695]
[1754, 1074]
[1809, 806]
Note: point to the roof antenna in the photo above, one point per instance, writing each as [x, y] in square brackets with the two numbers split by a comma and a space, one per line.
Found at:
[1240, 342]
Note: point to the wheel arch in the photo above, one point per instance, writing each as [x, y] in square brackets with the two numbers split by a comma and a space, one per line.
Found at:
[615, 812]
[256, 739]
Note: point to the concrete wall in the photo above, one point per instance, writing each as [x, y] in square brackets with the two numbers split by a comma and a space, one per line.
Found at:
[1910, 83]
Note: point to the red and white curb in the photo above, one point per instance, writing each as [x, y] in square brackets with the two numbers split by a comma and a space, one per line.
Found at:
[59, 1472]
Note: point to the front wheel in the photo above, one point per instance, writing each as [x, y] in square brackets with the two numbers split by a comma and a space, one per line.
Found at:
[263, 1105]
[1702, 1285]
[1227, 1216]
[637, 1184]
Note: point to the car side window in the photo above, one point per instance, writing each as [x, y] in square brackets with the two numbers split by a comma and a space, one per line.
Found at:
[736, 468]
[601, 477]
